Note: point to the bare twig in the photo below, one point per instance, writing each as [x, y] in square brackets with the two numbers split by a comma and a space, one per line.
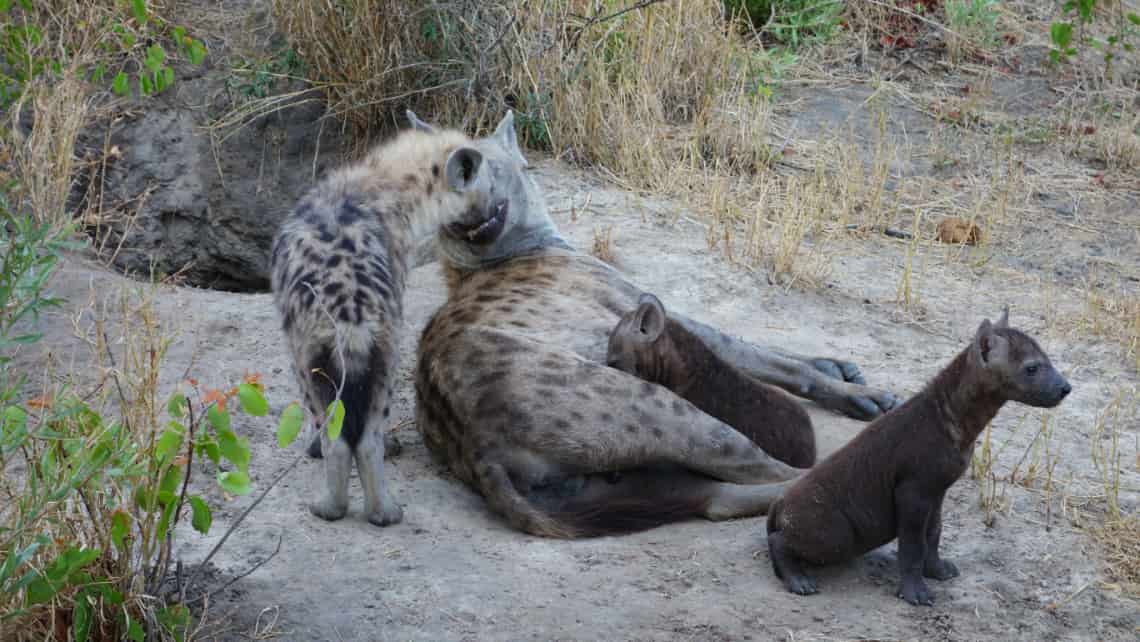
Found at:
[237, 522]
[249, 571]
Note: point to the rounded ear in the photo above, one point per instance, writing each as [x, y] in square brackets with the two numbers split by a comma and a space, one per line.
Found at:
[419, 124]
[506, 137]
[1003, 322]
[650, 317]
[988, 345]
[462, 167]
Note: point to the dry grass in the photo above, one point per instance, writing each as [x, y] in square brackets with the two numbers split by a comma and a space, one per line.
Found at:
[603, 247]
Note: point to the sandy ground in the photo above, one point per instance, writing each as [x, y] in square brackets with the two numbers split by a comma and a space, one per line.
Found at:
[454, 571]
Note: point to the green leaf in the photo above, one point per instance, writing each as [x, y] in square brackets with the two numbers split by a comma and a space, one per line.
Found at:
[81, 625]
[120, 527]
[5, 5]
[168, 443]
[164, 521]
[173, 618]
[167, 77]
[202, 517]
[235, 483]
[290, 426]
[1134, 19]
[15, 420]
[135, 632]
[177, 405]
[40, 591]
[1061, 34]
[138, 8]
[235, 449]
[219, 419]
[335, 414]
[145, 85]
[13, 562]
[209, 448]
[197, 52]
[252, 401]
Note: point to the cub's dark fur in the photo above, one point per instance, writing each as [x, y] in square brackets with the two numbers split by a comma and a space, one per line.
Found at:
[652, 346]
[890, 479]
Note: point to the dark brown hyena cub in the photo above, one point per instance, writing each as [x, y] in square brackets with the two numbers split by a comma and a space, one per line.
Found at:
[890, 479]
[648, 344]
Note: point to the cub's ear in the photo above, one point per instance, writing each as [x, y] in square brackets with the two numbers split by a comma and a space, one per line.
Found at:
[1003, 322]
[989, 347]
[650, 318]
[507, 138]
[462, 168]
[419, 124]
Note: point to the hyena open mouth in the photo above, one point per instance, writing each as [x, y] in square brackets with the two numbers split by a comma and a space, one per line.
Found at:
[488, 228]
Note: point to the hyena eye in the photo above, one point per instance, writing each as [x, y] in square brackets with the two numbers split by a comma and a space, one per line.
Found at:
[1031, 370]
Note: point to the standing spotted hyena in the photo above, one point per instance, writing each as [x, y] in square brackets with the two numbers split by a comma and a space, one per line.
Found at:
[339, 264]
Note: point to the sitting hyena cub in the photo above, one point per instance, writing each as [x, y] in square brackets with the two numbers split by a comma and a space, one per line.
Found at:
[338, 267]
[890, 479]
[655, 348]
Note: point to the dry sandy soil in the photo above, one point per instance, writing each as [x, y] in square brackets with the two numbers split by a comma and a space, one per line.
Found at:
[454, 571]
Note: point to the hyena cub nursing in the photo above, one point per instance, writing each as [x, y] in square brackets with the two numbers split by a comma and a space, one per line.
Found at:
[646, 343]
[339, 264]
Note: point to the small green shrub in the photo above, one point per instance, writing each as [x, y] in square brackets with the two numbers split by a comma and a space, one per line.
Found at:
[975, 21]
[109, 41]
[1067, 34]
[791, 22]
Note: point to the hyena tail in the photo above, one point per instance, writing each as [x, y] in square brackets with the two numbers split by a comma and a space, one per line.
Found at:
[603, 504]
[357, 395]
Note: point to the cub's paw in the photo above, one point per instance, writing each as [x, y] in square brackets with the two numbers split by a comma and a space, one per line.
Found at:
[328, 510]
[915, 592]
[941, 570]
[801, 585]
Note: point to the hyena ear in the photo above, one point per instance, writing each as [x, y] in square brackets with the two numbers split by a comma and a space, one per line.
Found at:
[462, 168]
[1003, 322]
[419, 124]
[506, 137]
[650, 318]
[989, 346]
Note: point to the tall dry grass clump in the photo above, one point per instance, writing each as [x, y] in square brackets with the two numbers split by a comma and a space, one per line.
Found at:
[607, 84]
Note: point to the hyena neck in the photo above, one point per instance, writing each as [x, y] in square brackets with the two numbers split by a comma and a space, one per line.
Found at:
[693, 368]
[966, 404]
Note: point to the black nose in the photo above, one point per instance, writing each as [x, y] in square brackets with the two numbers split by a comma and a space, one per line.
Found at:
[1066, 389]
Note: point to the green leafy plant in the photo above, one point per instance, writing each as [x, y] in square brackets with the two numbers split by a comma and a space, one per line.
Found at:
[974, 21]
[790, 22]
[1067, 34]
[260, 79]
[130, 44]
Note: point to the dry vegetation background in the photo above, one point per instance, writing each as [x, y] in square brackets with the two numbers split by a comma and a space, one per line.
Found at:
[670, 98]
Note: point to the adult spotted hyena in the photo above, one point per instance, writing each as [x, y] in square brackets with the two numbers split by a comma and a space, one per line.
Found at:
[338, 267]
[513, 394]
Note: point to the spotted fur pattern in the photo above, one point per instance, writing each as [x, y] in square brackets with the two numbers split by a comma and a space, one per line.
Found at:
[514, 397]
[339, 264]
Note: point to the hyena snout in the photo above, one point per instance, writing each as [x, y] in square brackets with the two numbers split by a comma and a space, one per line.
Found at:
[1052, 390]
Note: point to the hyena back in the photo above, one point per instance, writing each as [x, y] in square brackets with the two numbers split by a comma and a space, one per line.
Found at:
[339, 264]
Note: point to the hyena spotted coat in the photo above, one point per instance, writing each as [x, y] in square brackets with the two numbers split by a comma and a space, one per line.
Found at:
[513, 393]
[338, 266]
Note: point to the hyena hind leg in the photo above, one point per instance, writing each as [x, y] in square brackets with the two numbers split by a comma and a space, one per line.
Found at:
[392, 446]
[380, 508]
[338, 467]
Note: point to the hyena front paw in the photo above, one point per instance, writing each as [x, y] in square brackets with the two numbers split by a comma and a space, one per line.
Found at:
[387, 515]
[328, 510]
